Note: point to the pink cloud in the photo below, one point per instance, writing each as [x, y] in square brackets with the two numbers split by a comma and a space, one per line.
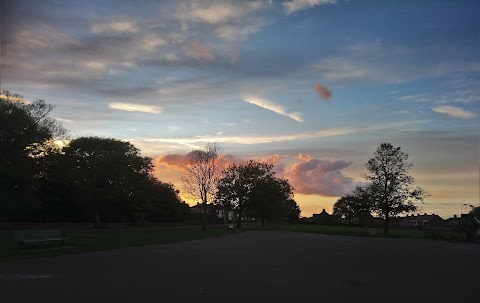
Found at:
[323, 92]
[180, 161]
[276, 161]
[176, 161]
[202, 51]
[314, 176]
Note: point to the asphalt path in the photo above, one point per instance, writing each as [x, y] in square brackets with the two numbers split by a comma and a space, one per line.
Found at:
[256, 266]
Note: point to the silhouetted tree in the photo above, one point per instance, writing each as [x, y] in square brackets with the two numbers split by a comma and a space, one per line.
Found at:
[269, 198]
[350, 207]
[237, 183]
[476, 212]
[161, 202]
[252, 188]
[102, 171]
[293, 210]
[201, 173]
[26, 133]
[389, 186]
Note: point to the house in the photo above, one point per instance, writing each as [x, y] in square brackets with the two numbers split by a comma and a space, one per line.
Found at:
[213, 209]
[324, 218]
[417, 220]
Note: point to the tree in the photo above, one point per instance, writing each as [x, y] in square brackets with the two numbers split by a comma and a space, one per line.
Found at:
[293, 210]
[201, 173]
[389, 186]
[269, 198]
[26, 133]
[161, 202]
[103, 172]
[350, 207]
[252, 188]
[236, 185]
[476, 212]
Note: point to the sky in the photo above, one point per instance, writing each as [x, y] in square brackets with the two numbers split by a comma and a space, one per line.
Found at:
[310, 86]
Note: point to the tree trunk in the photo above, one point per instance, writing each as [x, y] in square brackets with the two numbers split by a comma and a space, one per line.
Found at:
[96, 218]
[239, 218]
[204, 211]
[385, 228]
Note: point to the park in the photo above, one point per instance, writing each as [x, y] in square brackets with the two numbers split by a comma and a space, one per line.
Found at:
[239, 151]
[253, 266]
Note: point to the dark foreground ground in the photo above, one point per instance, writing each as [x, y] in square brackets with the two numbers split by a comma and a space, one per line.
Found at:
[257, 266]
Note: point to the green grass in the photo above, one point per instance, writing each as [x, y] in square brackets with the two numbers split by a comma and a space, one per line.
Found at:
[347, 230]
[105, 239]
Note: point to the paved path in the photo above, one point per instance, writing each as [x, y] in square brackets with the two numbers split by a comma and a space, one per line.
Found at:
[269, 266]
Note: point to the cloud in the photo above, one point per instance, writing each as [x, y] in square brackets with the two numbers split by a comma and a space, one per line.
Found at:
[180, 161]
[133, 107]
[236, 32]
[150, 42]
[297, 5]
[233, 55]
[222, 12]
[14, 98]
[196, 141]
[314, 176]
[274, 107]
[455, 112]
[201, 51]
[323, 92]
[176, 161]
[276, 161]
[114, 27]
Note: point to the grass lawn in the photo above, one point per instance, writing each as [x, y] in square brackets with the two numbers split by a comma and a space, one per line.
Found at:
[348, 230]
[104, 239]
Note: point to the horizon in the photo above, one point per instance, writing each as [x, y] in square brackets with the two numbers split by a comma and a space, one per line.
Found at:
[311, 87]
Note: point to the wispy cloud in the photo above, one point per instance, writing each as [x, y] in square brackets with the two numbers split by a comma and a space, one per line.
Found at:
[274, 107]
[114, 27]
[132, 107]
[221, 12]
[455, 112]
[197, 141]
[298, 5]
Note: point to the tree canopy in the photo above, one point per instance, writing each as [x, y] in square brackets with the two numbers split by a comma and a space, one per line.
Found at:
[26, 131]
[389, 188]
[350, 207]
[201, 173]
[103, 179]
[252, 188]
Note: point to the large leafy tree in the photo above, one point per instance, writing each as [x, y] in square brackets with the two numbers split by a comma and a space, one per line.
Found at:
[292, 209]
[389, 188]
[350, 207]
[101, 172]
[201, 174]
[162, 203]
[237, 184]
[26, 134]
[269, 198]
[252, 188]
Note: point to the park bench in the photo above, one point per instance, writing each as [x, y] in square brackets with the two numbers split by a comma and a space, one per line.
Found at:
[40, 235]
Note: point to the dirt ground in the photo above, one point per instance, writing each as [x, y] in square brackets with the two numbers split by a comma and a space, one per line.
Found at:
[256, 266]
